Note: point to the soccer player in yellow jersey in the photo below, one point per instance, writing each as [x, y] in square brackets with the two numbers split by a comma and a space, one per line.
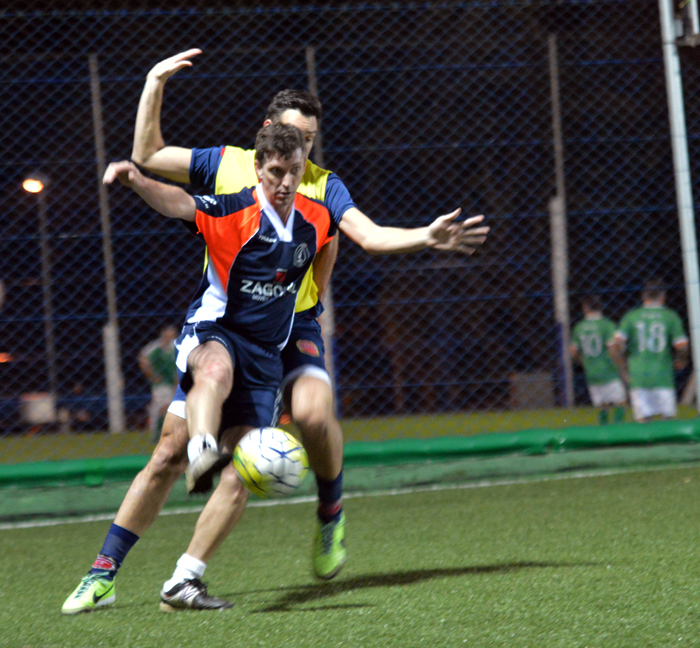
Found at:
[306, 387]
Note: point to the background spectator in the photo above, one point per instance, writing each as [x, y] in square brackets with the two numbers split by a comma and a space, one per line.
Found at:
[649, 345]
[157, 361]
[589, 345]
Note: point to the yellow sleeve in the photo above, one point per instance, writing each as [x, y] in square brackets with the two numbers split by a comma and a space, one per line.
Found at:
[236, 171]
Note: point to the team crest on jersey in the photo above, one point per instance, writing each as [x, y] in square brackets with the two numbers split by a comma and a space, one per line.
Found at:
[301, 255]
[309, 348]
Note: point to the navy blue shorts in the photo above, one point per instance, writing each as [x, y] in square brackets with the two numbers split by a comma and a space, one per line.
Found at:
[303, 355]
[304, 347]
[256, 375]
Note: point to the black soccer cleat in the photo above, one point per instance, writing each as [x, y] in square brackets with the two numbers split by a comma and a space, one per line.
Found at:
[191, 594]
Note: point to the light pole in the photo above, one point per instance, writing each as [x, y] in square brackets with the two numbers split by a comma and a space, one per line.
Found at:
[38, 184]
[110, 333]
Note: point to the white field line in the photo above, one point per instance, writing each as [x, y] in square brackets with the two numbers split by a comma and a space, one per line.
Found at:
[486, 483]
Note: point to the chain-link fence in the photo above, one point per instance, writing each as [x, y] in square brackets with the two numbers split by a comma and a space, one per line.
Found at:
[426, 107]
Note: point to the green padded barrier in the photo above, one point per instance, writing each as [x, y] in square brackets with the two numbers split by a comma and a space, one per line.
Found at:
[94, 472]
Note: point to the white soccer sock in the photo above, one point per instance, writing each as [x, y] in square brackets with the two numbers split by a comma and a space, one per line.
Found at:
[187, 567]
[198, 443]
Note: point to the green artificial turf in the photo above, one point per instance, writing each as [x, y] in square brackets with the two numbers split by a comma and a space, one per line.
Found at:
[602, 560]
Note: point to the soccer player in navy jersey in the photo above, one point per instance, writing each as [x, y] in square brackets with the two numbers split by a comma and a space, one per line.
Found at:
[261, 241]
[308, 393]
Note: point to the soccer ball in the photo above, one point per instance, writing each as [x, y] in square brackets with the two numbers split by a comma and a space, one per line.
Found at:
[271, 462]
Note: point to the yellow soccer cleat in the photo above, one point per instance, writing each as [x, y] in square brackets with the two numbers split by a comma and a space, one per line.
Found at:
[94, 591]
[329, 549]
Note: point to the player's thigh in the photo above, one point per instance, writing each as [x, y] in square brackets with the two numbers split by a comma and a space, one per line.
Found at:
[205, 349]
[213, 360]
[257, 372]
[257, 377]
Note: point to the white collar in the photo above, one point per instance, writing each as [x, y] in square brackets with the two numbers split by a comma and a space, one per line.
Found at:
[284, 232]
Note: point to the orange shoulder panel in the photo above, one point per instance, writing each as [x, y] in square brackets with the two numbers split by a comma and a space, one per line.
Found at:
[318, 215]
[225, 236]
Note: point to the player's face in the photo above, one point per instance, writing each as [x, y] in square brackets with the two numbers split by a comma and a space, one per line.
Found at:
[307, 125]
[280, 180]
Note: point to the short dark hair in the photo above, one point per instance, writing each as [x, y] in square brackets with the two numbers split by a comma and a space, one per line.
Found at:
[653, 289]
[278, 139]
[301, 100]
[592, 303]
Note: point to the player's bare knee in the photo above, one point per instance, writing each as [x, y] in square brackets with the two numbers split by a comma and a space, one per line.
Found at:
[169, 459]
[311, 417]
[312, 404]
[216, 374]
[211, 364]
[232, 484]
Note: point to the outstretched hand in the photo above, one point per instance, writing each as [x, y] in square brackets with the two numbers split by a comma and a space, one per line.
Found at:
[125, 171]
[446, 234]
[163, 70]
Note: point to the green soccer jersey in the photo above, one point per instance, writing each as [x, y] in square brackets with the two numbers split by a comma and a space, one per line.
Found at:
[591, 337]
[650, 334]
[162, 364]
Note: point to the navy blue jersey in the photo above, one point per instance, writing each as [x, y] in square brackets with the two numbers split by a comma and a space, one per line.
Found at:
[256, 263]
[229, 169]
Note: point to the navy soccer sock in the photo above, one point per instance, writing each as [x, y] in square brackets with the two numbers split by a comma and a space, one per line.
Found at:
[117, 544]
[330, 504]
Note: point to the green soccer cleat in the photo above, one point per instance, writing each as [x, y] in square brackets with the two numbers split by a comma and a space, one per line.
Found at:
[329, 549]
[94, 591]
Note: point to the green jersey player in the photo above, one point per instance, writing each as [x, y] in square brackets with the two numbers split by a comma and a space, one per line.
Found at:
[157, 361]
[652, 341]
[590, 340]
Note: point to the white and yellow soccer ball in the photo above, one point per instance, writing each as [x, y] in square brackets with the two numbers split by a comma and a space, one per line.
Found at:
[271, 462]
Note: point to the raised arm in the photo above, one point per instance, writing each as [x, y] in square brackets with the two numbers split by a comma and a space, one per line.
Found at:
[442, 234]
[168, 200]
[149, 150]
